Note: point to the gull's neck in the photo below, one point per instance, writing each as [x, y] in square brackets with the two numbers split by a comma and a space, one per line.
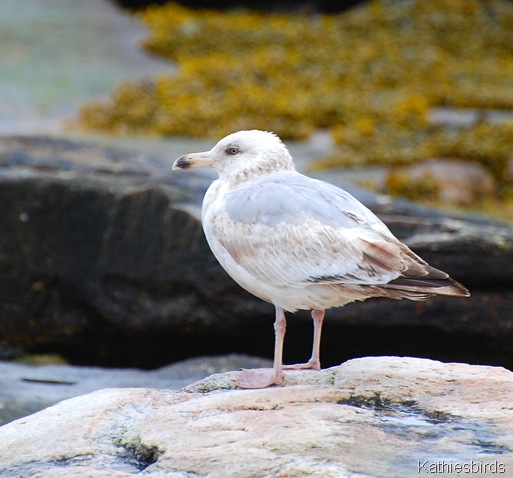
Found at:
[258, 169]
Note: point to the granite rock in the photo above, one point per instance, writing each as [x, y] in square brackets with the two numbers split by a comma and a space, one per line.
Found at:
[369, 417]
[455, 181]
[26, 389]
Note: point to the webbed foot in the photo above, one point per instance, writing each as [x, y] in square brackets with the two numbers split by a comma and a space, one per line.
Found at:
[312, 364]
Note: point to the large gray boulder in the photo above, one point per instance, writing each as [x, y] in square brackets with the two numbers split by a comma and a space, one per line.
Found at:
[372, 417]
[103, 260]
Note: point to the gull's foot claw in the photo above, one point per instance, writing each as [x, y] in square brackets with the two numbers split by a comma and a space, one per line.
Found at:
[259, 378]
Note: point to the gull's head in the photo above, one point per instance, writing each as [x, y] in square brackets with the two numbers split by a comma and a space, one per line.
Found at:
[242, 154]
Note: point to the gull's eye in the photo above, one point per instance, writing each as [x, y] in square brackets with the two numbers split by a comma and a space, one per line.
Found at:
[232, 151]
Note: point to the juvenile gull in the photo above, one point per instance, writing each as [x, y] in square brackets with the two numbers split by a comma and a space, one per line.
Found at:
[300, 243]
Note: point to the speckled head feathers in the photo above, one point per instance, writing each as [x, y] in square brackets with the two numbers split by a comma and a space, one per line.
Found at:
[241, 156]
[246, 154]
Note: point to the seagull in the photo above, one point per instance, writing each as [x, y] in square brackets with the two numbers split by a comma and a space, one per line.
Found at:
[300, 243]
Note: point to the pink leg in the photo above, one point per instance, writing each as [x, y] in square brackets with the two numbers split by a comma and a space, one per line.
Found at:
[262, 378]
[315, 361]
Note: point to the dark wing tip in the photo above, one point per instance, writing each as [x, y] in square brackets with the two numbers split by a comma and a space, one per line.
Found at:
[429, 286]
[420, 277]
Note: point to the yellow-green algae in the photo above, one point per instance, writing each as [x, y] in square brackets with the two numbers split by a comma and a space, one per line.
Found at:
[370, 75]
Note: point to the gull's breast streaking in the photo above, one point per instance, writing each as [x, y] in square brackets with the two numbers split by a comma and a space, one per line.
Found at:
[300, 243]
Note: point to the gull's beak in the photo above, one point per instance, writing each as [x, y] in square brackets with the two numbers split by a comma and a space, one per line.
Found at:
[193, 160]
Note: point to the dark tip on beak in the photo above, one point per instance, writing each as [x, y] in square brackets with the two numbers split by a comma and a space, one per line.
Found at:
[182, 163]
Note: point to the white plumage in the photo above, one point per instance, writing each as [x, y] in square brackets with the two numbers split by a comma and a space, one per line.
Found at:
[298, 242]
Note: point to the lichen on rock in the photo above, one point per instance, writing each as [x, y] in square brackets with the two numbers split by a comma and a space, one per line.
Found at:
[370, 75]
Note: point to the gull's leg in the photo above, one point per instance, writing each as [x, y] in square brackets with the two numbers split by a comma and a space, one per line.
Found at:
[315, 361]
[261, 378]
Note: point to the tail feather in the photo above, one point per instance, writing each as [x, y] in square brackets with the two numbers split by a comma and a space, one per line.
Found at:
[423, 280]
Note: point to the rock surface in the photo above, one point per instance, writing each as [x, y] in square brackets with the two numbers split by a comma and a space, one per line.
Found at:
[372, 417]
[104, 260]
[26, 389]
[457, 181]
[326, 6]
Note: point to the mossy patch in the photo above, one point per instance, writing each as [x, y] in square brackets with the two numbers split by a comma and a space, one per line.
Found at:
[370, 76]
[400, 184]
[387, 62]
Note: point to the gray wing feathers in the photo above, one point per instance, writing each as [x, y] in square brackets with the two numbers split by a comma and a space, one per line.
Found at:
[290, 196]
[293, 230]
